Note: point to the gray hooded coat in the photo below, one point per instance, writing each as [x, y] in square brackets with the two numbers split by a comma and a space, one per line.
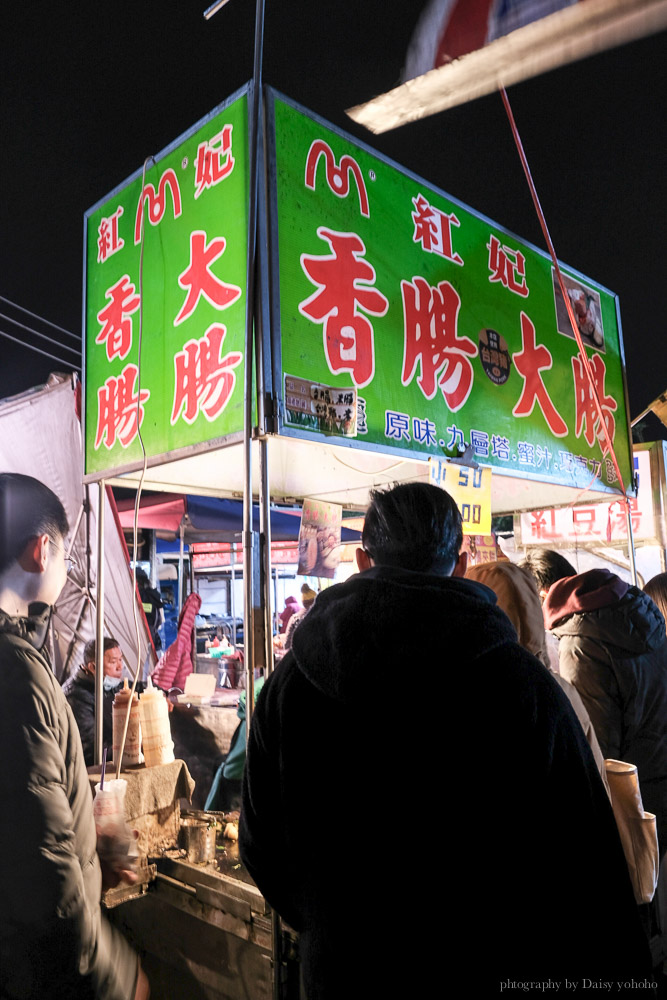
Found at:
[615, 654]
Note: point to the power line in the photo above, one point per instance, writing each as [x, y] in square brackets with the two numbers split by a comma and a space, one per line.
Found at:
[36, 333]
[40, 318]
[31, 347]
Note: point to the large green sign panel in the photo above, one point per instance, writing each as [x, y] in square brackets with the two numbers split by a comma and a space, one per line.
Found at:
[412, 324]
[187, 387]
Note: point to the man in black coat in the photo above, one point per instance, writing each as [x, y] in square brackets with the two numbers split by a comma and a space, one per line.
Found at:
[472, 843]
[79, 689]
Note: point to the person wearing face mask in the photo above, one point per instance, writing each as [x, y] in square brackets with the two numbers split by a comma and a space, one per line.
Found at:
[79, 689]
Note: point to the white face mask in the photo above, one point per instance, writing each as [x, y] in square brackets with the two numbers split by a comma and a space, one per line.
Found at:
[111, 682]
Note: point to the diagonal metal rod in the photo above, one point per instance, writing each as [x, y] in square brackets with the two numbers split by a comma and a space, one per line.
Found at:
[214, 8]
[41, 319]
[561, 282]
[38, 350]
[36, 333]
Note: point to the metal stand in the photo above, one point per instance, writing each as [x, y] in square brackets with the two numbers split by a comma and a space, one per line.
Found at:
[99, 631]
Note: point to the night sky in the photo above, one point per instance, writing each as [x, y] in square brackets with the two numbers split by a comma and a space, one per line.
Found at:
[89, 90]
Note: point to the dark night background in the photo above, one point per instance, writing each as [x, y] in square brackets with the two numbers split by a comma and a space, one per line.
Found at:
[89, 90]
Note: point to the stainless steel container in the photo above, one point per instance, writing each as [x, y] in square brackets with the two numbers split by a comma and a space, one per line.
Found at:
[197, 838]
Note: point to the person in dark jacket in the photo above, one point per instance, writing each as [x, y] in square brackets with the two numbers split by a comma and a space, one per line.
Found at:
[472, 841]
[151, 601]
[54, 940]
[79, 689]
[612, 647]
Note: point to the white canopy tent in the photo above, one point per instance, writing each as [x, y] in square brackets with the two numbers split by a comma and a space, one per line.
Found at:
[40, 436]
[299, 470]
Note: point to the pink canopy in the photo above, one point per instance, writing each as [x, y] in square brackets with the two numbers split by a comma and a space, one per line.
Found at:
[163, 513]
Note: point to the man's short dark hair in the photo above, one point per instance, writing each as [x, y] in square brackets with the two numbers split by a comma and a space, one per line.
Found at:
[414, 526]
[28, 508]
[547, 567]
[90, 649]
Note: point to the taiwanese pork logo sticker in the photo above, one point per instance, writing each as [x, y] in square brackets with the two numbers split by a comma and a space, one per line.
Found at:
[495, 356]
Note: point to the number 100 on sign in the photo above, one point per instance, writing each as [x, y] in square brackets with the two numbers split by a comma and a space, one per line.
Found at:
[471, 490]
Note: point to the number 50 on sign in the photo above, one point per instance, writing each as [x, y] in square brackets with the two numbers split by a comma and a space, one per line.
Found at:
[471, 490]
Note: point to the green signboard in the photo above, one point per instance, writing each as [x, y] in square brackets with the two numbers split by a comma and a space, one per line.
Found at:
[408, 323]
[186, 387]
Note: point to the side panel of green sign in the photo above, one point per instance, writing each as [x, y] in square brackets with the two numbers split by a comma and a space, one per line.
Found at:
[188, 389]
[438, 327]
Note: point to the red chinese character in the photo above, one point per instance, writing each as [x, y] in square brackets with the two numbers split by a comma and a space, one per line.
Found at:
[617, 523]
[109, 241]
[540, 529]
[430, 329]
[529, 363]
[586, 410]
[204, 380]
[344, 282]
[214, 160]
[114, 318]
[198, 280]
[506, 266]
[338, 177]
[157, 201]
[583, 521]
[117, 409]
[433, 229]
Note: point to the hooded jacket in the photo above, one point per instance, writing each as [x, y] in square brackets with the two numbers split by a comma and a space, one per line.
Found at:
[612, 647]
[364, 825]
[175, 664]
[292, 607]
[54, 942]
[517, 595]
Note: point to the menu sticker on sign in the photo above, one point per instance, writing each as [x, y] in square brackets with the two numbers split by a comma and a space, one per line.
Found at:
[319, 539]
[320, 407]
[470, 489]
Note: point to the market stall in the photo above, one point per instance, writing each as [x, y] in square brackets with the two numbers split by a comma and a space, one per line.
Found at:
[398, 335]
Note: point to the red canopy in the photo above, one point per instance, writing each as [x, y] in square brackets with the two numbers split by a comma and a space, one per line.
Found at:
[163, 513]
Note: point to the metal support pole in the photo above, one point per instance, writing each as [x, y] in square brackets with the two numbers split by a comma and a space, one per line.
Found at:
[274, 592]
[248, 537]
[89, 550]
[180, 570]
[99, 631]
[194, 630]
[265, 531]
[251, 339]
[631, 542]
[152, 556]
[232, 594]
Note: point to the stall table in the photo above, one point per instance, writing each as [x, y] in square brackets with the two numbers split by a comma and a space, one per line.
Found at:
[204, 931]
[202, 735]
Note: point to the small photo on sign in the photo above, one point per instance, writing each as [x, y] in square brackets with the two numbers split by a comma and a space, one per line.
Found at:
[587, 310]
[319, 539]
[323, 408]
[495, 356]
